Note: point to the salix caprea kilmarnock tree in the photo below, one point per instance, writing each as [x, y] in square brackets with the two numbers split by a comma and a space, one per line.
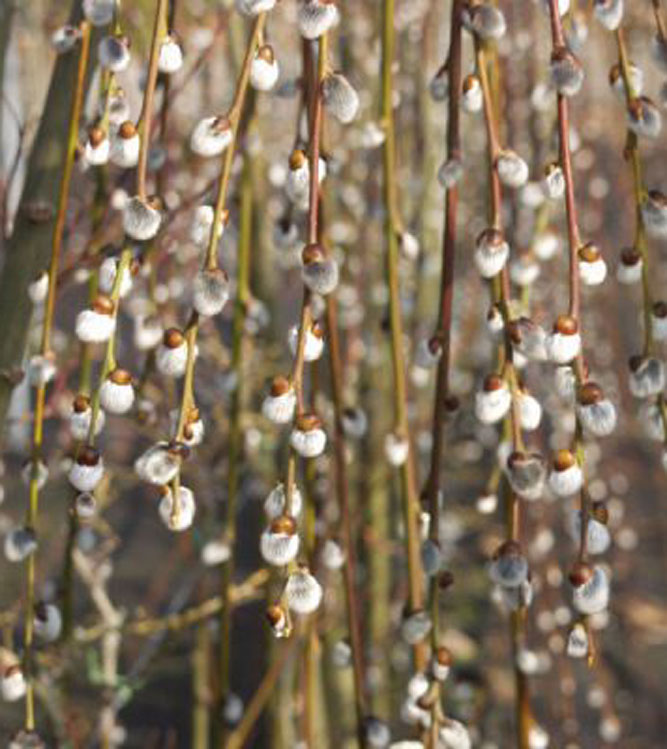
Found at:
[331, 353]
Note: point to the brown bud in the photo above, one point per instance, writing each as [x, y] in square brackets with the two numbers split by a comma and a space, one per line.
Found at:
[127, 130]
[173, 338]
[265, 52]
[470, 82]
[96, 136]
[103, 304]
[492, 382]
[120, 376]
[509, 548]
[614, 73]
[88, 456]
[297, 159]
[284, 524]
[312, 253]
[600, 512]
[443, 656]
[580, 574]
[81, 403]
[589, 253]
[630, 256]
[275, 615]
[280, 386]
[564, 459]
[308, 423]
[590, 393]
[566, 325]
[660, 309]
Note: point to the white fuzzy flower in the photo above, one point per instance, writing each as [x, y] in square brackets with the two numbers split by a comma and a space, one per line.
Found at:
[577, 641]
[564, 343]
[12, 684]
[647, 376]
[319, 272]
[97, 148]
[491, 253]
[254, 7]
[20, 543]
[596, 412]
[158, 465]
[279, 405]
[317, 17]
[211, 136]
[177, 516]
[530, 411]
[566, 477]
[609, 13]
[95, 325]
[313, 342]
[454, 735]
[99, 12]
[125, 146]
[593, 596]
[396, 448]
[113, 53]
[107, 277]
[654, 214]
[553, 183]
[630, 268]
[303, 592]
[472, 98]
[340, 98]
[48, 622]
[567, 73]
[171, 356]
[81, 418]
[148, 332]
[276, 502]
[141, 219]
[64, 38]
[116, 392]
[598, 537]
[592, 267]
[87, 470]
[494, 400]
[512, 169]
[308, 438]
[211, 291]
[170, 56]
[41, 369]
[279, 543]
[39, 288]
[264, 69]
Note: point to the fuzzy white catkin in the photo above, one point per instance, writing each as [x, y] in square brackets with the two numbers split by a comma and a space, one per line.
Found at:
[85, 478]
[48, 622]
[340, 98]
[39, 288]
[313, 344]
[125, 151]
[97, 155]
[12, 685]
[279, 409]
[140, 220]
[454, 735]
[94, 327]
[264, 74]
[563, 348]
[79, 423]
[172, 362]
[181, 519]
[170, 57]
[157, 465]
[107, 277]
[278, 549]
[113, 54]
[303, 592]
[316, 18]
[254, 7]
[310, 443]
[211, 291]
[274, 504]
[116, 398]
[19, 544]
[99, 12]
[491, 406]
[209, 138]
[396, 448]
[593, 596]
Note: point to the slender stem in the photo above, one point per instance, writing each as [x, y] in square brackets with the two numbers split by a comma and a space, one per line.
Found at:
[443, 332]
[236, 434]
[254, 709]
[159, 29]
[40, 396]
[408, 482]
[234, 117]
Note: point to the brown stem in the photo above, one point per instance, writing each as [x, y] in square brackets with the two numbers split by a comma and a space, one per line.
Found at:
[149, 93]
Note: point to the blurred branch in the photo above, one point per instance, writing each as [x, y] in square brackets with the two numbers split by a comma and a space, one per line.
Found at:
[28, 249]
